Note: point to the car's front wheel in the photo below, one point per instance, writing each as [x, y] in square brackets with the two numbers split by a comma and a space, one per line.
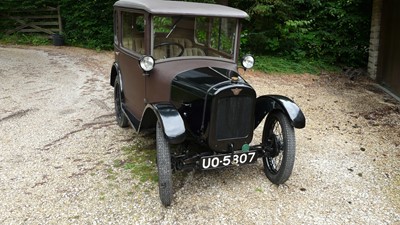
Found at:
[279, 137]
[163, 166]
[121, 118]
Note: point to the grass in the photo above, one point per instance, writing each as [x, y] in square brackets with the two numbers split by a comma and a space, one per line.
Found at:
[281, 65]
[140, 160]
[25, 39]
[258, 189]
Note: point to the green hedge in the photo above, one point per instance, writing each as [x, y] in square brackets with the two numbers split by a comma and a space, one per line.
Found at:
[336, 31]
[86, 23]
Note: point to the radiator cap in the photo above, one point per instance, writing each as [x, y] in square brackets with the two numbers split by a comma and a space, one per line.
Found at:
[234, 79]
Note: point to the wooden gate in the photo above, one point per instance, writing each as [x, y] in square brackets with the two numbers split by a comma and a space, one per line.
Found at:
[388, 73]
[46, 20]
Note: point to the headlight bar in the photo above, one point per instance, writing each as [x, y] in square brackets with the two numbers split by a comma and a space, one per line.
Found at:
[147, 63]
[248, 61]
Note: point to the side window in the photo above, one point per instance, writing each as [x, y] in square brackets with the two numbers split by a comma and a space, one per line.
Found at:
[133, 32]
[116, 27]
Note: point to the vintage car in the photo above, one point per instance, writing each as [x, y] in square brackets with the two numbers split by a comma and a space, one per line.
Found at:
[176, 72]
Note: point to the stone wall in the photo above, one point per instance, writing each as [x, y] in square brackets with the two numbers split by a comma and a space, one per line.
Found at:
[374, 38]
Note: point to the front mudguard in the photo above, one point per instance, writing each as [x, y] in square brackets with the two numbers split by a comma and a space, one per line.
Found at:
[268, 103]
[171, 121]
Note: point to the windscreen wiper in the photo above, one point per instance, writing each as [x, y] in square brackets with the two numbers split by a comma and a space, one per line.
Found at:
[174, 26]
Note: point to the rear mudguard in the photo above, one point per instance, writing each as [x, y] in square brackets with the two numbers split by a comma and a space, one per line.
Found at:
[171, 121]
[267, 103]
[114, 72]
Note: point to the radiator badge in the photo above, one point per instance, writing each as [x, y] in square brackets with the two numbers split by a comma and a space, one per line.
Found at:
[236, 91]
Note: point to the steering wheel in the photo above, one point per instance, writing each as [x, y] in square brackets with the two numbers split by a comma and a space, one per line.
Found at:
[168, 50]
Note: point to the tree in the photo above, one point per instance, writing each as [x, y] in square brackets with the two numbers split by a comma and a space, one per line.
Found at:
[223, 2]
[336, 31]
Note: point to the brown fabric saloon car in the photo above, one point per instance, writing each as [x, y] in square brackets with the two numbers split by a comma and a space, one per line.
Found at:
[175, 70]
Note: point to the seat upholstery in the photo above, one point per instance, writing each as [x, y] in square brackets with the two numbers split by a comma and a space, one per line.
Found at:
[160, 53]
[138, 45]
[134, 44]
[189, 50]
[194, 52]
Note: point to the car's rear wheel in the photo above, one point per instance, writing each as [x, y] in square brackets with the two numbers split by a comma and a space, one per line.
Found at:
[279, 136]
[163, 166]
[121, 118]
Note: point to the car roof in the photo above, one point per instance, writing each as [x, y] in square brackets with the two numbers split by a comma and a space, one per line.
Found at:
[162, 7]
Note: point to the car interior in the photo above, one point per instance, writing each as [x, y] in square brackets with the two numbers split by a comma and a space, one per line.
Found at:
[173, 37]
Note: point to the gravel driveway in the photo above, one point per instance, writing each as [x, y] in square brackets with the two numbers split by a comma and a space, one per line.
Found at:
[59, 143]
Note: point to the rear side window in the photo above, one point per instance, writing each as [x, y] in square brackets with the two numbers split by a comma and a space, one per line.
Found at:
[116, 27]
[133, 32]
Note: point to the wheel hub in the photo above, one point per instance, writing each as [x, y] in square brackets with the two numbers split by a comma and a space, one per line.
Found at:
[272, 148]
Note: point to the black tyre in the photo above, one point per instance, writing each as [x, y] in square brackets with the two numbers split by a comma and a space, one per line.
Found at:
[119, 114]
[279, 135]
[163, 167]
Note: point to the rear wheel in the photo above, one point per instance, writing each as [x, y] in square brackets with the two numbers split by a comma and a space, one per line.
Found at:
[279, 135]
[119, 114]
[163, 167]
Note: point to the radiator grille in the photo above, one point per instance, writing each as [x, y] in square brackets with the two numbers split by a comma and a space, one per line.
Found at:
[234, 119]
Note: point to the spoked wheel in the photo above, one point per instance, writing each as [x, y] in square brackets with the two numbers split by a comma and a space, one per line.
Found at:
[279, 136]
[163, 167]
[119, 114]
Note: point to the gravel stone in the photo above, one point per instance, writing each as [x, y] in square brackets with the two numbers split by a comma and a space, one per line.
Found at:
[59, 141]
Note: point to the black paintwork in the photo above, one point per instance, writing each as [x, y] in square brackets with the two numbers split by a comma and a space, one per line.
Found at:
[170, 119]
[193, 110]
[268, 103]
[197, 95]
[197, 82]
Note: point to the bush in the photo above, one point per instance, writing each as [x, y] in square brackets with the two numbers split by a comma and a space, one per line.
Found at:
[88, 23]
[336, 31]
[283, 65]
[24, 39]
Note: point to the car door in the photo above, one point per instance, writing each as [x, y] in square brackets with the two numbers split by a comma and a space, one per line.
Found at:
[132, 49]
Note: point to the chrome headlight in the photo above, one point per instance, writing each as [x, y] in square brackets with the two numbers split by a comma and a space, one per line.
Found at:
[248, 61]
[147, 63]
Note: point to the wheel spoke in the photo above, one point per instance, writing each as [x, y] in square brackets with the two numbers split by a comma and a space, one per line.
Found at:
[278, 135]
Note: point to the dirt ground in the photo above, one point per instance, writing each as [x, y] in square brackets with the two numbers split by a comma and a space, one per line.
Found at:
[59, 142]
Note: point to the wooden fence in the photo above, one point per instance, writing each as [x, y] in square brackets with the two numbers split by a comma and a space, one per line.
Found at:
[46, 20]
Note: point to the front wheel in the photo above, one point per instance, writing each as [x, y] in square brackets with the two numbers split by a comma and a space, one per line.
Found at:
[163, 166]
[279, 137]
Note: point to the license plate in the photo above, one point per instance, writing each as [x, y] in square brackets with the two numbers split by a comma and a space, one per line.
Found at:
[217, 161]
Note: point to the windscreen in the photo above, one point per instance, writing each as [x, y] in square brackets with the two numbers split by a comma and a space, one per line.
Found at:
[179, 36]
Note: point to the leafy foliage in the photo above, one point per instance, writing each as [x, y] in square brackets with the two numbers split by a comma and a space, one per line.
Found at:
[24, 39]
[86, 23]
[336, 31]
